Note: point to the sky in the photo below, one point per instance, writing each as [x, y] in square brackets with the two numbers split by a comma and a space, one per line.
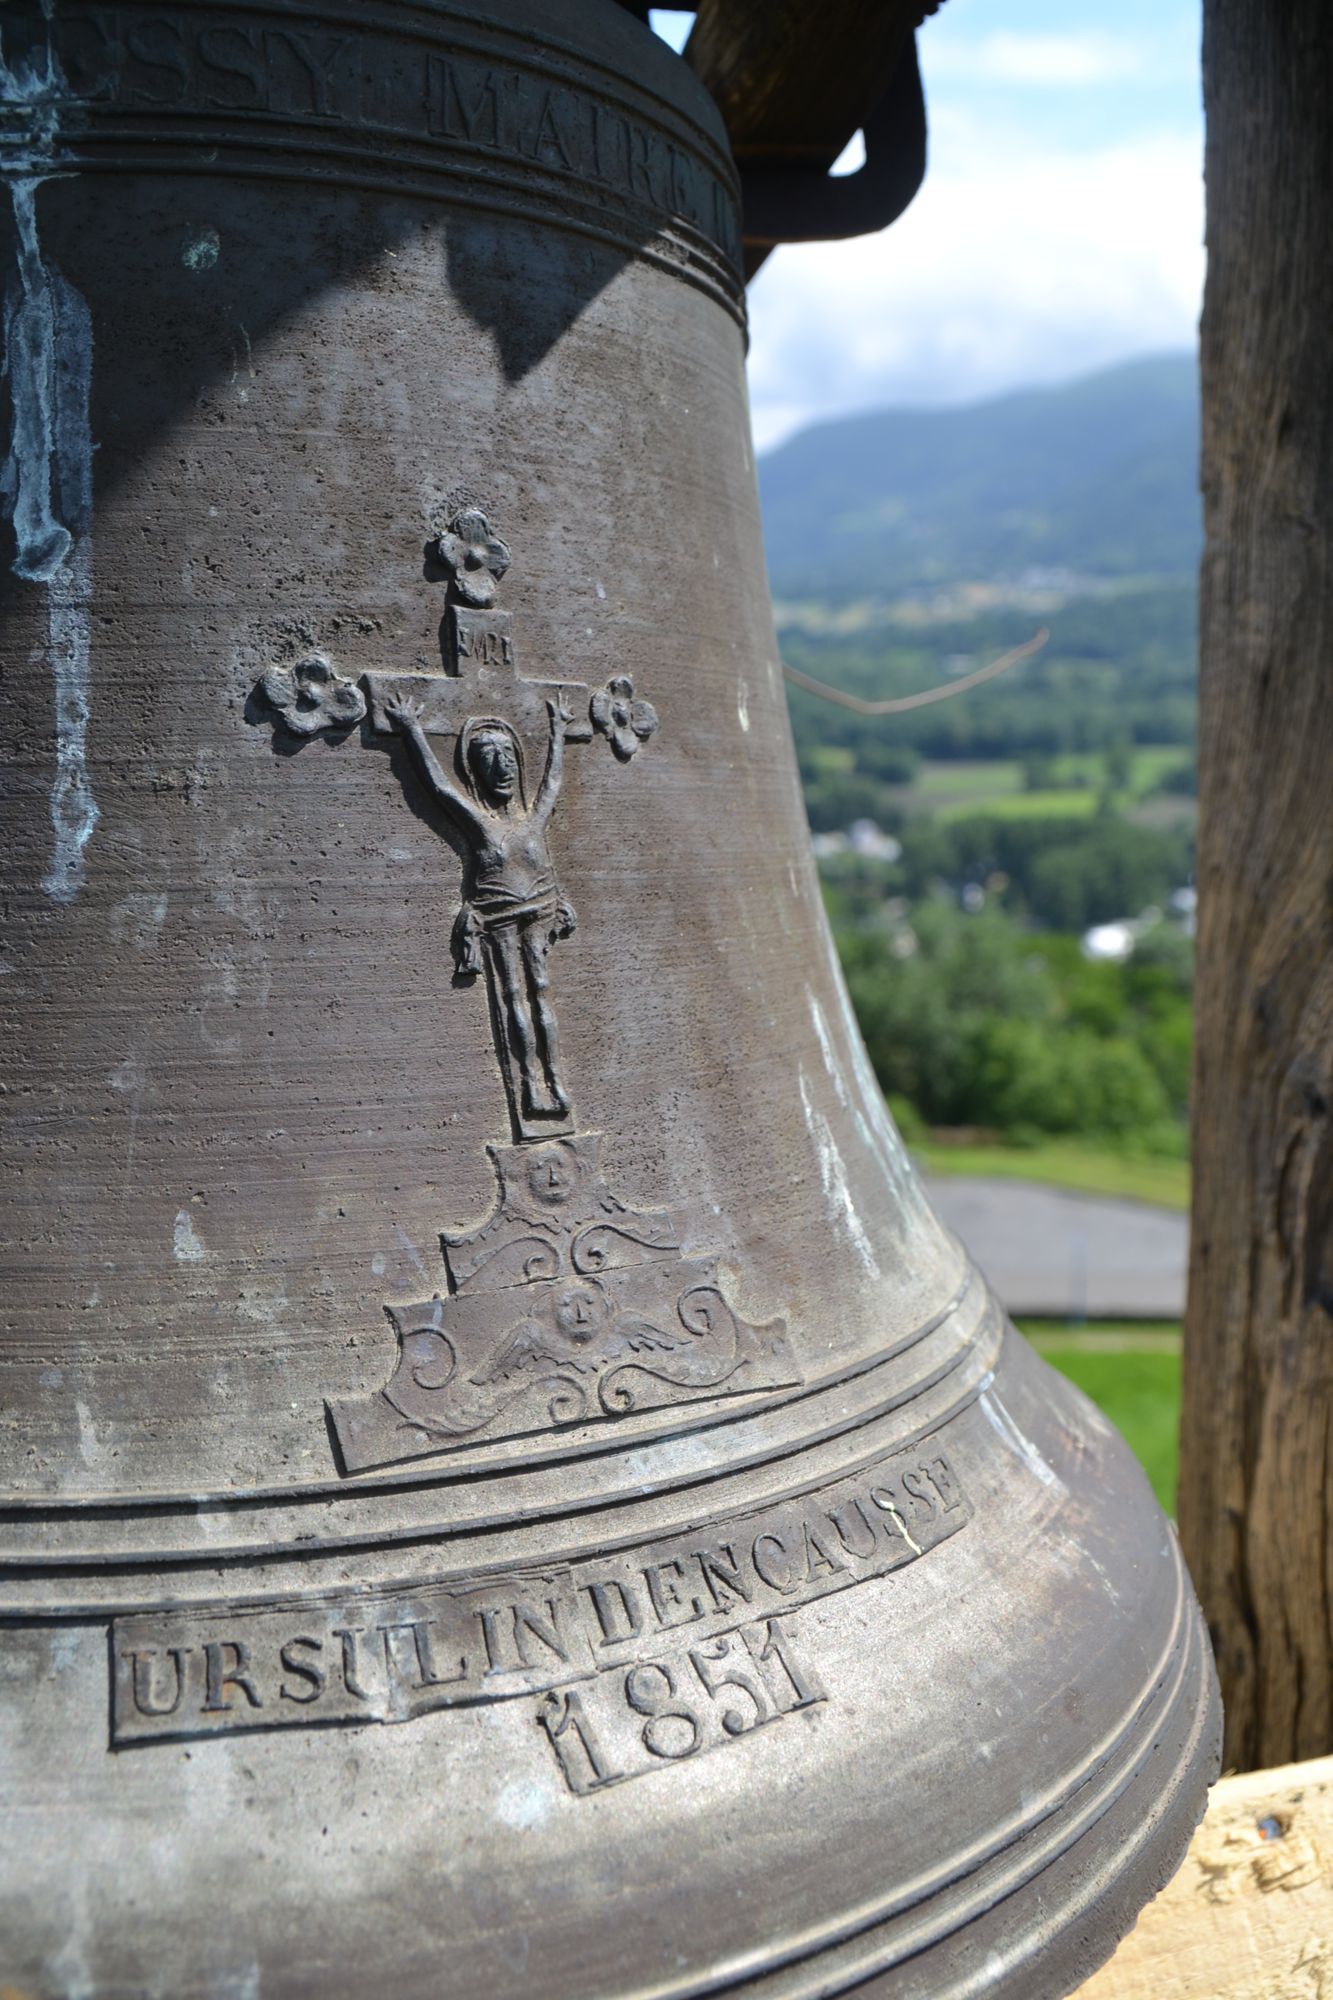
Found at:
[1059, 230]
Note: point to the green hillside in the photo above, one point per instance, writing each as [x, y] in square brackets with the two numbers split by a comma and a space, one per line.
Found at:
[967, 849]
[1097, 477]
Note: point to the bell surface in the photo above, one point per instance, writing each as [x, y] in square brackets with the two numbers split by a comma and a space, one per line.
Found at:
[508, 1488]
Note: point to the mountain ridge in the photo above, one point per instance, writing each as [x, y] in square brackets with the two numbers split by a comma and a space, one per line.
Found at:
[1097, 476]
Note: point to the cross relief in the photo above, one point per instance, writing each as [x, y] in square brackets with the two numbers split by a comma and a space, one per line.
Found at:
[565, 1306]
[472, 729]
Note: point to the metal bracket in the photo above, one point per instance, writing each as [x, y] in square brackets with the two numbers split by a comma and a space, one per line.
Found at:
[786, 203]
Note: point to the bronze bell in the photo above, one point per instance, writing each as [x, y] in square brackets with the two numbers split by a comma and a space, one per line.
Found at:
[508, 1487]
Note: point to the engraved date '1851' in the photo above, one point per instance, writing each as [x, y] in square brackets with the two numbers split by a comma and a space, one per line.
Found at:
[637, 1634]
[626, 1722]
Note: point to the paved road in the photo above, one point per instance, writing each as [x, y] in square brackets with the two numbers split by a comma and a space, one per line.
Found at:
[1068, 1254]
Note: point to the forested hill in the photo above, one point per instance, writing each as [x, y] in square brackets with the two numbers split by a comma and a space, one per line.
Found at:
[1097, 477]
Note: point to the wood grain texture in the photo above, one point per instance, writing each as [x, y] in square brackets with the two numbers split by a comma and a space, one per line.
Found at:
[1250, 1915]
[1255, 1499]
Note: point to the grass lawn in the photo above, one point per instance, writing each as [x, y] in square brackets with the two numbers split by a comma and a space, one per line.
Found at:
[1064, 1163]
[1132, 1374]
[954, 789]
[1066, 803]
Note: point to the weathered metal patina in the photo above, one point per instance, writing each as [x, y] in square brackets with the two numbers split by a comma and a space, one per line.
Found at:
[420, 1308]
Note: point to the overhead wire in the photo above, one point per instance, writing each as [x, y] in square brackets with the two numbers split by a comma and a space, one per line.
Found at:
[944, 691]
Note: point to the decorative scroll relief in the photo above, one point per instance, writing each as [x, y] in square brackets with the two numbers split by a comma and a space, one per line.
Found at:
[565, 1306]
[695, 1627]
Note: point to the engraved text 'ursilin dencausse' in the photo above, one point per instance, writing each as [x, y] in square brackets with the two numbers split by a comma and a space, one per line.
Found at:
[608, 1647]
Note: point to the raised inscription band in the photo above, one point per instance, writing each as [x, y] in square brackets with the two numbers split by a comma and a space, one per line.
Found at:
[481, 1639]
[406, 100]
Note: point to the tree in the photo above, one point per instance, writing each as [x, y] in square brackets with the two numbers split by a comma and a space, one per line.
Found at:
[1256, 1498]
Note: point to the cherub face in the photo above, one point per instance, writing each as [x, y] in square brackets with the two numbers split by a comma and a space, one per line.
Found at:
[552, 1177]
[579, 1313]
[494, 766]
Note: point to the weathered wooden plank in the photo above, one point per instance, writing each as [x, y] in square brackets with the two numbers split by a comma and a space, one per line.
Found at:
[1250, 1915]
[1256, 1466]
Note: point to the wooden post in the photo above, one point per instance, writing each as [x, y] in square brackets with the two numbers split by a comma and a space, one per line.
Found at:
[1256, 1498]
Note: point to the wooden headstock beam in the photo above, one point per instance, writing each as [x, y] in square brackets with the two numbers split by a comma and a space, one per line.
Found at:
[795, 79]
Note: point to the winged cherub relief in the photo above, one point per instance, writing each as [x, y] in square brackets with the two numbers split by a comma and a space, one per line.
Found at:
[565, 1307]
[581, 1331]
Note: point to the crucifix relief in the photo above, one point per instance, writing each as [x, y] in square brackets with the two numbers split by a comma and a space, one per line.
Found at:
[565, 1306]
[514, 910]
[486, 719]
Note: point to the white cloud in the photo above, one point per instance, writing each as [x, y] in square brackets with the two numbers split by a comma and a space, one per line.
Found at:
[1090, 56]
[1018, 262]
[673, 24]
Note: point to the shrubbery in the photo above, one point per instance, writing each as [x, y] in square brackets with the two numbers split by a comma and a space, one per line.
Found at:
[976, 1002]
[1066, 874]
[975, 1021]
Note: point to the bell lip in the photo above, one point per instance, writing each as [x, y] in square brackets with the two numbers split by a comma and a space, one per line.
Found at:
[1156, 1798]
[1036, 1899]
[1166, 1745]
[1094, 1819]
[1183, 1699]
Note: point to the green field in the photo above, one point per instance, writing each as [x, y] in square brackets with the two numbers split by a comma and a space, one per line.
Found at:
[1132, 1374]
[1071, 803]
[954, 789]
[962, 780]
[1149, 764]
[1064, 1163]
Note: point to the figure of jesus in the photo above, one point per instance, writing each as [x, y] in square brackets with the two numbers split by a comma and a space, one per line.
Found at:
[513, 905]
